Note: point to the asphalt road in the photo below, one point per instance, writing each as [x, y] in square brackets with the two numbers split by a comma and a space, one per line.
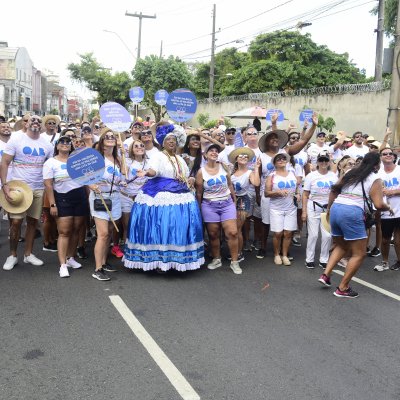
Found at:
[271, 333]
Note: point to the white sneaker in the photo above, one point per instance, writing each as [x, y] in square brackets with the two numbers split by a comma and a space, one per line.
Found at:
[236, 268]
[71, 262]
[383, 266]
[10, 263]
[215, 263]
[32, 259]
[64, 271]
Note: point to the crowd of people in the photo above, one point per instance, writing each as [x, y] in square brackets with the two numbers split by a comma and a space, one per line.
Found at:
[170, 195]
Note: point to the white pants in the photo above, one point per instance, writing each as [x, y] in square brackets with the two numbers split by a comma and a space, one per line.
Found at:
[313, 227]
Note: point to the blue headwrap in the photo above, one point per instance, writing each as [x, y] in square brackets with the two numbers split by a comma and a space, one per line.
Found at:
[162, 131]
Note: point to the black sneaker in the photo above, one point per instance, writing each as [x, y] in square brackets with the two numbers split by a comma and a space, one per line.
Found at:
[100, 275]
[38, 234]
[89, 236]
[21, 239]
[81, 253]
[296, 242]
[109, 268]
[255, 245]
[310, 265]
[260, 253]
[368, 251]
[240, 257]
[323, 265]
[50, 247]
[395, 266]
[375, 252]
[349, 292]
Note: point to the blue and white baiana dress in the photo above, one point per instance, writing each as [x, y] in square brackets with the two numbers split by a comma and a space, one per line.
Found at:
[165, 226]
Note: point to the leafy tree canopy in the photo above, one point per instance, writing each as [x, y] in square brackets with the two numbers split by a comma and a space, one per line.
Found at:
[280, 60]
[153, 73]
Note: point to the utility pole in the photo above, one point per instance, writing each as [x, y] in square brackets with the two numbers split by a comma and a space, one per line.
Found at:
[161, 50]
[212, 62]
[379, 41]
[394, 101]
[140, 16]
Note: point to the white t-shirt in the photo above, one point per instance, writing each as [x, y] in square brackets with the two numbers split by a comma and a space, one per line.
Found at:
[300, 159]
[223, 156]
[391, 181]
[353, 195]
[267, 167]
[251, 165]
[168, 167]
[44, 135]
[314, 150]
[29, 156]
[335, 154]
[111, 169]
[151, 153]
[57, 170]
[241, 184]
[134, 184]
[319, 186]
[355, 152]
[289, 183]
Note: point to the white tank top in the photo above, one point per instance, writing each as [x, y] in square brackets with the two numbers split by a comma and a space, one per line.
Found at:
[215, 186]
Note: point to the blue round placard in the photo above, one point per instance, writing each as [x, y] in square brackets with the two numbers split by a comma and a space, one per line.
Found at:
[161, 97]
[181, 105]
[115, 116]
[85, 166]
[281, 117]
[136, 94]
[306, 115]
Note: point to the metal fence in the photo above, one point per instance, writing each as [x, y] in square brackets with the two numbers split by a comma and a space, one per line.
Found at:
[337, 89]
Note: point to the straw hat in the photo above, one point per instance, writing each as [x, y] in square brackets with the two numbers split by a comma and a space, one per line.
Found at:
[325, 223]
[50, 117]
[240, 150]
[283, 138]
[375, 143]
[22, 197]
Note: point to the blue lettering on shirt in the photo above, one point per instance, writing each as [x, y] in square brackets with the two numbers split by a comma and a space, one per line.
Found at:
[299, 161]
[286, 185]
[391, 182]
[238, 187]
[323, 184]
[270, 167]
[217, 181]
[63, 166]
[33, 152]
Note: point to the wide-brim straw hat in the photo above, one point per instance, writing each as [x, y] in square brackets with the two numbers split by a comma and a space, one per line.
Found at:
[22, 197]
[283, 138]
[325, 223]
[50, 117]
[240, 150]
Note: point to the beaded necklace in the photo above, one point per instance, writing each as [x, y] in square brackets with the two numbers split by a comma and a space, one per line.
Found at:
[177, 167]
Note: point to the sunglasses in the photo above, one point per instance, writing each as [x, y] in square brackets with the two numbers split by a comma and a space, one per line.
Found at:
[139, 146]
[280, 159]
[145, 133]
[252, 133]
[323, 160]
[36, 119]
[351, 164]
[63, 141]
[109, 137]
[357, 137]
[71, 136]
[386, 154]
[242, 156]
[51, 123]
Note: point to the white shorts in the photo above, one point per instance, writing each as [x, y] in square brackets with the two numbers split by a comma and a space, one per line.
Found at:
[283, 220]
[265, 201]
[126, 204]
[255, 209]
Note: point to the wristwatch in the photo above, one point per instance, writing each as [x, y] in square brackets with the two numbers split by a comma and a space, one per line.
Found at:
[53, 205]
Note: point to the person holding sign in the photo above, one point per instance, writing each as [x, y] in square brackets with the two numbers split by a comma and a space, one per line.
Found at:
[68, 204]
[108, 189]
[137, 161]
[165, 230]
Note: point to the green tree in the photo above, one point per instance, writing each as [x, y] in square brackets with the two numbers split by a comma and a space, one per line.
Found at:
[109, 87]
[390, 18]
[153, 73]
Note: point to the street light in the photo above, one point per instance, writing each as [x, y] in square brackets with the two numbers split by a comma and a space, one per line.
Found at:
[119, 37]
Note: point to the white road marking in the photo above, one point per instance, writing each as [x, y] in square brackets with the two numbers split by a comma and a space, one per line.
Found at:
[371, 286]
[177, 380]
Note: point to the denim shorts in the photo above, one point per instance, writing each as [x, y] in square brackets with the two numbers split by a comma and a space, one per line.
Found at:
[347, 221]
[218, 211]
[73, 203]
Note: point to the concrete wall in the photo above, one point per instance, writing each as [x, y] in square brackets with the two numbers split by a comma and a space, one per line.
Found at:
[365, 111]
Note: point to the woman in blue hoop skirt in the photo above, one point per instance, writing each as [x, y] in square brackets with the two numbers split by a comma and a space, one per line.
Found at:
[165, 227]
